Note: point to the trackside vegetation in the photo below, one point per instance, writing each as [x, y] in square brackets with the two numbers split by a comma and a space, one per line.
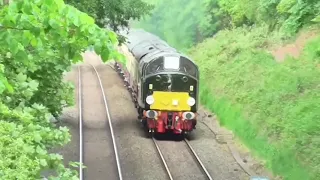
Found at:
[39, 42]
[272, 107]
[114, 14]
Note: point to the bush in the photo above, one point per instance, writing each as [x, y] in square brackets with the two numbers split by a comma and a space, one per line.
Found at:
[39, 42]
[273, 108]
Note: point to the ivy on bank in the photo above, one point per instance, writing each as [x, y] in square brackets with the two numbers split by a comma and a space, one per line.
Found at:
[40, 39]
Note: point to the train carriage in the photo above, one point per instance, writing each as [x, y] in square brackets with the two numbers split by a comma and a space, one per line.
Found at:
[164, 83]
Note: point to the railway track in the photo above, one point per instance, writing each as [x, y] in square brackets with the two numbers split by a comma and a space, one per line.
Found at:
[83, 146]
[171, 169]
[196, 158]
[187, 145]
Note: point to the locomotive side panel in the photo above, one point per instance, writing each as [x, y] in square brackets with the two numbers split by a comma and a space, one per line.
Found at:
[141, 47]
[131, 66]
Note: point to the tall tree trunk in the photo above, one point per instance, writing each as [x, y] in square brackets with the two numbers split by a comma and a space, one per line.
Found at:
[6, 2]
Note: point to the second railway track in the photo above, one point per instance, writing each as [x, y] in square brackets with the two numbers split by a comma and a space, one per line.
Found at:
[97, 145]
[98, 148]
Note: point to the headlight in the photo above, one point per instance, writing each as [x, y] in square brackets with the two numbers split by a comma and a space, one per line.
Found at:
[150, 100]
[191, 101]
[188, 115]
[151, 114]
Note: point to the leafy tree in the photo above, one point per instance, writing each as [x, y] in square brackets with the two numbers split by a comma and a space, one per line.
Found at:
[287, 15]
[176, 21]
[39, 42]
[198, 20]
[114, 14]
[215, 19]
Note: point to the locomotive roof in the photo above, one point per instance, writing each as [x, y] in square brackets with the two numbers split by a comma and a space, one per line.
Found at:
[144, 45]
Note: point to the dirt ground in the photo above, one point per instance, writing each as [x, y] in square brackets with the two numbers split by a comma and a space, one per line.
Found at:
[295, 48]
[138, 156]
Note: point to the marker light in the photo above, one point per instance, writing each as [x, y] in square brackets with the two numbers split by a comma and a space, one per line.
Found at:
[175, 102]
[191, 101]
[150, 100]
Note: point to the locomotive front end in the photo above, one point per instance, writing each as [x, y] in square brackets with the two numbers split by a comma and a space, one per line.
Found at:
[170, 93]
[164, 83]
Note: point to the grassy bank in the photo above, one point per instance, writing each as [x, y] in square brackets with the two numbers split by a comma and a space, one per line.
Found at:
[273, 108]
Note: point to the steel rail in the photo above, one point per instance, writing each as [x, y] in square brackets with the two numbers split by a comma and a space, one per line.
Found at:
[198, 159]
[80, 124]
[162, 158]
[110, 125]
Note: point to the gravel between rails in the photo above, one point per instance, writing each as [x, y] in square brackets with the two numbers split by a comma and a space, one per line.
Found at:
[138, 156]
[180, 160]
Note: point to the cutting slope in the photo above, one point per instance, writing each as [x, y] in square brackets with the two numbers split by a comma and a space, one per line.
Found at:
[273, 108]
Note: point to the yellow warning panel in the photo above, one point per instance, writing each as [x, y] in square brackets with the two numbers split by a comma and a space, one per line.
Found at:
[170, 101]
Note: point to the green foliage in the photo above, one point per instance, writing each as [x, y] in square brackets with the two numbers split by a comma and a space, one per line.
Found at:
[177, 22]
[197, 20]
[316, 19]
[39, 42]
[272, 107]
[113, 13]
[288, 15]
[215, 19]
[245, 86]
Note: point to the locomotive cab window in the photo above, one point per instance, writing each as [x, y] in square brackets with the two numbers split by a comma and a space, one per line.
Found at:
[188, 67]
[154, 66]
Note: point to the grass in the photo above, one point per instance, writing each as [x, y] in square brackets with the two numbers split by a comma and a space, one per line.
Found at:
[273, 108]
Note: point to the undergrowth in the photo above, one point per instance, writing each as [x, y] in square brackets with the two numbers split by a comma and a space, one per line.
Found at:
[273, 108]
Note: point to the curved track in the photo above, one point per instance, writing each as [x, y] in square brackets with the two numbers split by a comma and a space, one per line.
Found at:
[205, 174]
[138, 155]
[179, 159]
[231, 172]
[82, 144]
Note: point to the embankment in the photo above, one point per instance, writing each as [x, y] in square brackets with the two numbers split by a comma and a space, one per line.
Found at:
[273, 108]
